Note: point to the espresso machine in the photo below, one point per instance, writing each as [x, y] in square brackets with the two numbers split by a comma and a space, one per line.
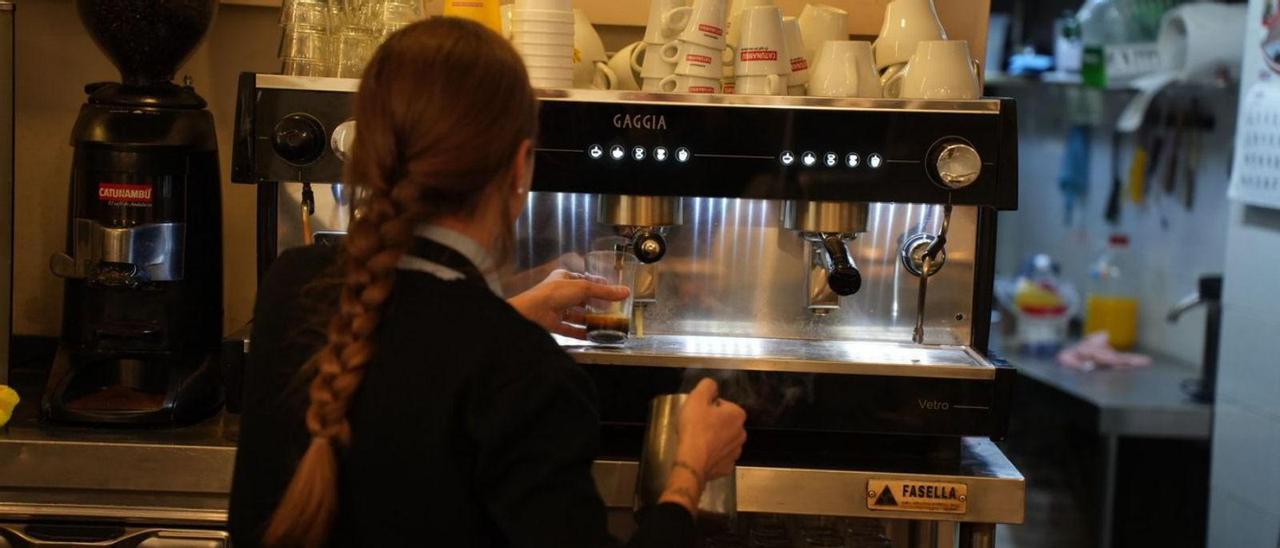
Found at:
[828, 261]
[142, 309]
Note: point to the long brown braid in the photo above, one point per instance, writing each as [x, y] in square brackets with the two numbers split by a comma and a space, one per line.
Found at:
[443, 108]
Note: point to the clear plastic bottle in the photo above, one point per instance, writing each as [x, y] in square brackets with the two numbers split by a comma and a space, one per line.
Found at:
[1112, 302]
[1101, 24]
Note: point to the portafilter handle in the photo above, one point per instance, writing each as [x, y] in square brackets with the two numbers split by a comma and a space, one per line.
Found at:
[843, 276]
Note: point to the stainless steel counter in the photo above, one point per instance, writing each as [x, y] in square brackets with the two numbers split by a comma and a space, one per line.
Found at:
[1142, 402]
[183, 476]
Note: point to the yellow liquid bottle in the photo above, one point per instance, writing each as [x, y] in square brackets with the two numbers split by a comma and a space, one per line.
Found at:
[1112, 302]
[1115, 314]
[485, 12]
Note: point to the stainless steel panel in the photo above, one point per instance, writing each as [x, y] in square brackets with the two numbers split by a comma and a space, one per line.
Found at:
[731, 270]
[787, 355]
[991, 106]
[156, 249]
[130, 537]
[996, 489]
[333, 211]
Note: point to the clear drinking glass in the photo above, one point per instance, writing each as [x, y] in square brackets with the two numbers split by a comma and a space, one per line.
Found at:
[609, 322]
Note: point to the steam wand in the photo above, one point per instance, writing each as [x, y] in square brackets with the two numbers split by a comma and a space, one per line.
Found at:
[926, 270]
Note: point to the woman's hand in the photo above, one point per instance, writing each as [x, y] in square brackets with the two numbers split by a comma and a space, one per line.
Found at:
[559, 302]
[711, 436]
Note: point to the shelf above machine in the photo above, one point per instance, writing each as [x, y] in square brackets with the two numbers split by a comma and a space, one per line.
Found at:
[787, 356]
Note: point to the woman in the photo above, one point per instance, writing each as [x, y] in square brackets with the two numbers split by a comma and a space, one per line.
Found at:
[437, 413]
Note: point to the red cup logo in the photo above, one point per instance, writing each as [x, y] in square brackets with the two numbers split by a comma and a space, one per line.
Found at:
[710, 29]
[799, 63]
[759, 55]
[696, 59]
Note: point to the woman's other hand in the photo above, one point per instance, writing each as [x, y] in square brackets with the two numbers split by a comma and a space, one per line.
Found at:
[558, 303]
[711, 436]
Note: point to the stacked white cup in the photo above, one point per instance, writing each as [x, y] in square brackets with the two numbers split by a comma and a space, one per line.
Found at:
[761, 64]
[684, 46]
[542, 31]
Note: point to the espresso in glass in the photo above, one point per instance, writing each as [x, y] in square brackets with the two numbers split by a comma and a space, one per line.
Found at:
[609, 322]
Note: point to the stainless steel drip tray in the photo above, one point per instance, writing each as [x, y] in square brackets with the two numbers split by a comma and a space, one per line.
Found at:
[787, 355]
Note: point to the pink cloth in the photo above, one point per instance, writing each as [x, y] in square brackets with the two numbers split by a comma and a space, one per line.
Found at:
[1095, 351]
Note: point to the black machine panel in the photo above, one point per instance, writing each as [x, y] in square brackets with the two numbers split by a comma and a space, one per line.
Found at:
[283, 134]
[782, 152]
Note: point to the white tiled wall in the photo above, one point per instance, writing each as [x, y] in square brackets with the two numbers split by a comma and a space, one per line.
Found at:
[1173, 246]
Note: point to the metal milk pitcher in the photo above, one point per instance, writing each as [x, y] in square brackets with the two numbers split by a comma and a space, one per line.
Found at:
[719, 500]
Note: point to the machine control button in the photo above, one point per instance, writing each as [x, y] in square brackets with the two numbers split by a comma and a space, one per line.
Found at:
[683, 155]
[617, 152]
[875, 161]
[787, 158]
[660, 154]
[958, 164]
[831, 159]
[809, 159]
[299, 139]
[595, 152]
[852, 159]
[638, 154]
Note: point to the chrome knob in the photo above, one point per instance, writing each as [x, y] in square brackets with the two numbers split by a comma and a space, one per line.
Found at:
[958, 165]
[341, 140]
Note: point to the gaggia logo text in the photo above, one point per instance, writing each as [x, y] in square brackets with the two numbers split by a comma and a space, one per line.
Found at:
[710, 29]
[124, 193]
[759, 55]
[799, 64]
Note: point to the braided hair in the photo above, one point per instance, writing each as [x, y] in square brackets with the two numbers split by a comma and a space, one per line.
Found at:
[443, 108]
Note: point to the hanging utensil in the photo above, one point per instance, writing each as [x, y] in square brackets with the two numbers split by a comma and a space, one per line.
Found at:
[1112, 213]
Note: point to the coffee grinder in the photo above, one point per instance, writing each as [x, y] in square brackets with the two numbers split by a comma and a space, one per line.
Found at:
[142, 310]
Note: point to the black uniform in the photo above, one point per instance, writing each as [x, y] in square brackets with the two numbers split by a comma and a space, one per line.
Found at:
[471, 427]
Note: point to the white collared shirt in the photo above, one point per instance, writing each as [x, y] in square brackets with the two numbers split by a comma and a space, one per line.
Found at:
[459, 242]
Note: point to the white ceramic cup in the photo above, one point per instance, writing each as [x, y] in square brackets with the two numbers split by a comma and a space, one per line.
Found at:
[546, 16]
[906, 23]
[736, 7]
[693, 59]
[705, 23]
[556, 5]
[799, 58]
[504, 13]
[588, 51]
[845, 68]
[940, 69]
[544, 50]
[653, 65]
[682, 83]
[548, 27]
[625, 69]
[542, 38]
[820, 23]
[662, 26]
[652, 84]
[548, 62]
[762, 48]
[768, 84]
